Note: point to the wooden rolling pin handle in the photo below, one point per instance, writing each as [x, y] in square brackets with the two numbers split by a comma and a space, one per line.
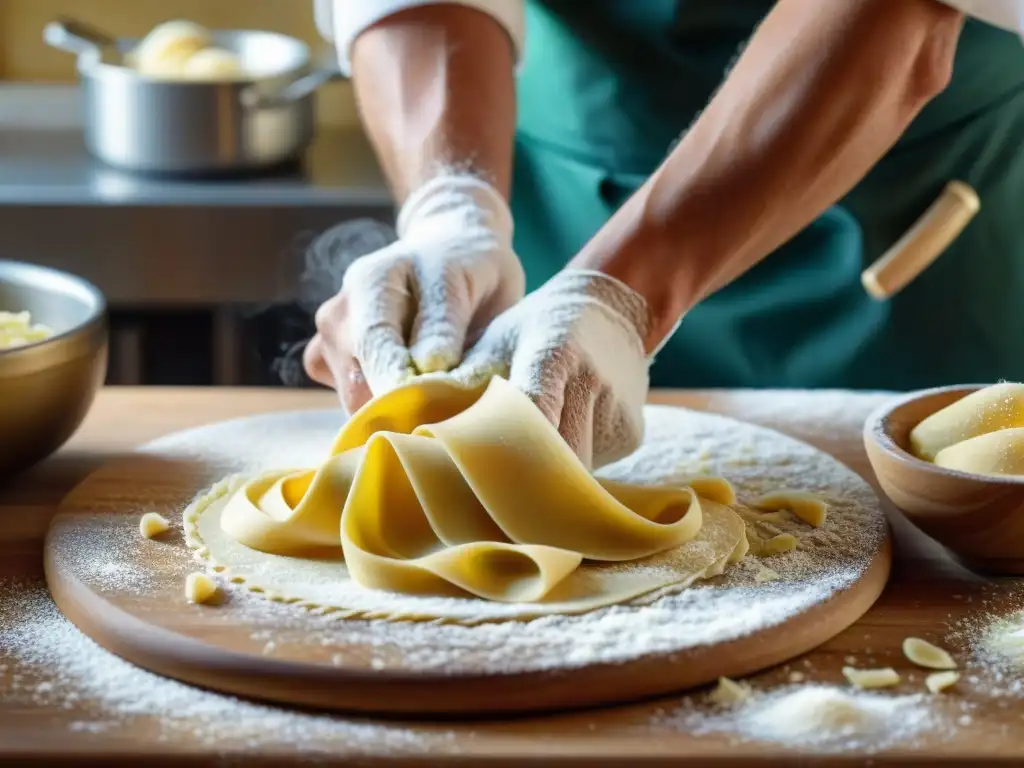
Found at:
[923, 242]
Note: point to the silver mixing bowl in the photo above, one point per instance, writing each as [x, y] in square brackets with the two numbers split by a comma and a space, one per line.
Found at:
[46, 388]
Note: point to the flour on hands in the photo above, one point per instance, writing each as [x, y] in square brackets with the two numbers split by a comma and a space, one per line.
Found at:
[408, 307]
[412, 304]
[574, 346]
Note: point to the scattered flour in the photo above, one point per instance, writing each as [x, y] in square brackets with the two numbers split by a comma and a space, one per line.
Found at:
[1001, 642]
[820, 717]
[108, 694]
[991, 633]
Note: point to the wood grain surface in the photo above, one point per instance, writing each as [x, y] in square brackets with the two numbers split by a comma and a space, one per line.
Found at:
[927, 594]
[328, 663]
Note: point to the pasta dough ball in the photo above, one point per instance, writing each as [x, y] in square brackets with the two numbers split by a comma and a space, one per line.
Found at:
[995, 453]
[152, 524]
[200, 588]
[213, 64]
[164, 51]
[1000, 406]
[17, 329]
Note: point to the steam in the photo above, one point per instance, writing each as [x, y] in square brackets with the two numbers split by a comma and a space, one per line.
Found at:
[325, 262]
[331, 254]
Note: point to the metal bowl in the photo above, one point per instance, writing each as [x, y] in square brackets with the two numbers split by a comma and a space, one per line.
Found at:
[46, 388]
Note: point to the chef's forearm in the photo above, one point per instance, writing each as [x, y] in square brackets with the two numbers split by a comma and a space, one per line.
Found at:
[821, 92]
[435, 90]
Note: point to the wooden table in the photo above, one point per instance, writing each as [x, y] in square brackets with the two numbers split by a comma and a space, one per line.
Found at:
[928, 592]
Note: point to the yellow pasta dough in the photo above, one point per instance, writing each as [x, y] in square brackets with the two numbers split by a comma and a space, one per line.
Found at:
[1000, 406]
[438, 490]
[994, 453]
[808, 507]
[152, 525]
[17, 329]
[200, 588]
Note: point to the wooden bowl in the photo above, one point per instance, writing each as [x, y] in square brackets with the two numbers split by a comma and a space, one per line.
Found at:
[978, 518]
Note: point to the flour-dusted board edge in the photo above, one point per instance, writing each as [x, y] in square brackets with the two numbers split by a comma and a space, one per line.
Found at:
[127, 593]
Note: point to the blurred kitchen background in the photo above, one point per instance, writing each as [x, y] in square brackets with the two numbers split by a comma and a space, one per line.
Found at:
[210, 282]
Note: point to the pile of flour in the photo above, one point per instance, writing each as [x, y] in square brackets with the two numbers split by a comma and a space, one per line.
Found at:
[823, 718]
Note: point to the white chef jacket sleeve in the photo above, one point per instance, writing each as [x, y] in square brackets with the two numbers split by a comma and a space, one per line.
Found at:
[1006, 14]
[342, 21]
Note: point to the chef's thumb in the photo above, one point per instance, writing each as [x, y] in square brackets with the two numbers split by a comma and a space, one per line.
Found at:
[443, 313]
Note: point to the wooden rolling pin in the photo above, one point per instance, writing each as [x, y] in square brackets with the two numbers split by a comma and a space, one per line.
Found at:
[923, 242]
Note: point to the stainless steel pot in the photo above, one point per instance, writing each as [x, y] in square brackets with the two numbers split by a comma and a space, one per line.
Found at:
[138, 123]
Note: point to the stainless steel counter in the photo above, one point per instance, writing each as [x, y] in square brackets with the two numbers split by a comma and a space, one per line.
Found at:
[165, 245]
[166, 241]
[51, 167]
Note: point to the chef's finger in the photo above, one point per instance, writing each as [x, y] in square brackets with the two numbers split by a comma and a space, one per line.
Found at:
[339, 370]
[315, 364]
[378, 311]
[484, 360]
[542, 375]
[576, 423]
[354, 391]
[442, 317]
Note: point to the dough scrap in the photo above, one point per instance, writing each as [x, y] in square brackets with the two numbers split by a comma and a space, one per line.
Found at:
[777, 545]
[425, 493]
[940, 681]
[199, 588]
[924, 654]
[1000, 406]
[807, 506]
[764, 529]
[729, 692]
[871, 678]
[152, 524]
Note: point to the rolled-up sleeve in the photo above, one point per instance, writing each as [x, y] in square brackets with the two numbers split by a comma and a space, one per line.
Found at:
[342, 21]
[1006, 14]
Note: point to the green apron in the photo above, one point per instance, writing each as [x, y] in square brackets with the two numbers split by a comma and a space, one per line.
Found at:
[607, 86]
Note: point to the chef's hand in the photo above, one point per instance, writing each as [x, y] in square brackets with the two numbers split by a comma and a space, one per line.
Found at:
[574, 346]
[408, 308]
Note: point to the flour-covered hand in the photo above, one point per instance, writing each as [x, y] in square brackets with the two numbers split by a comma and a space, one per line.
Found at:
[574, 346]
[409, 307]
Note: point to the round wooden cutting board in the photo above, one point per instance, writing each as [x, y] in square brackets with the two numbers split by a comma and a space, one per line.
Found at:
[126, 592]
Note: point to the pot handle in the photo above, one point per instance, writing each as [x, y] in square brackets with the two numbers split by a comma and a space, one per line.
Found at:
[77, 37]
[256, 97]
